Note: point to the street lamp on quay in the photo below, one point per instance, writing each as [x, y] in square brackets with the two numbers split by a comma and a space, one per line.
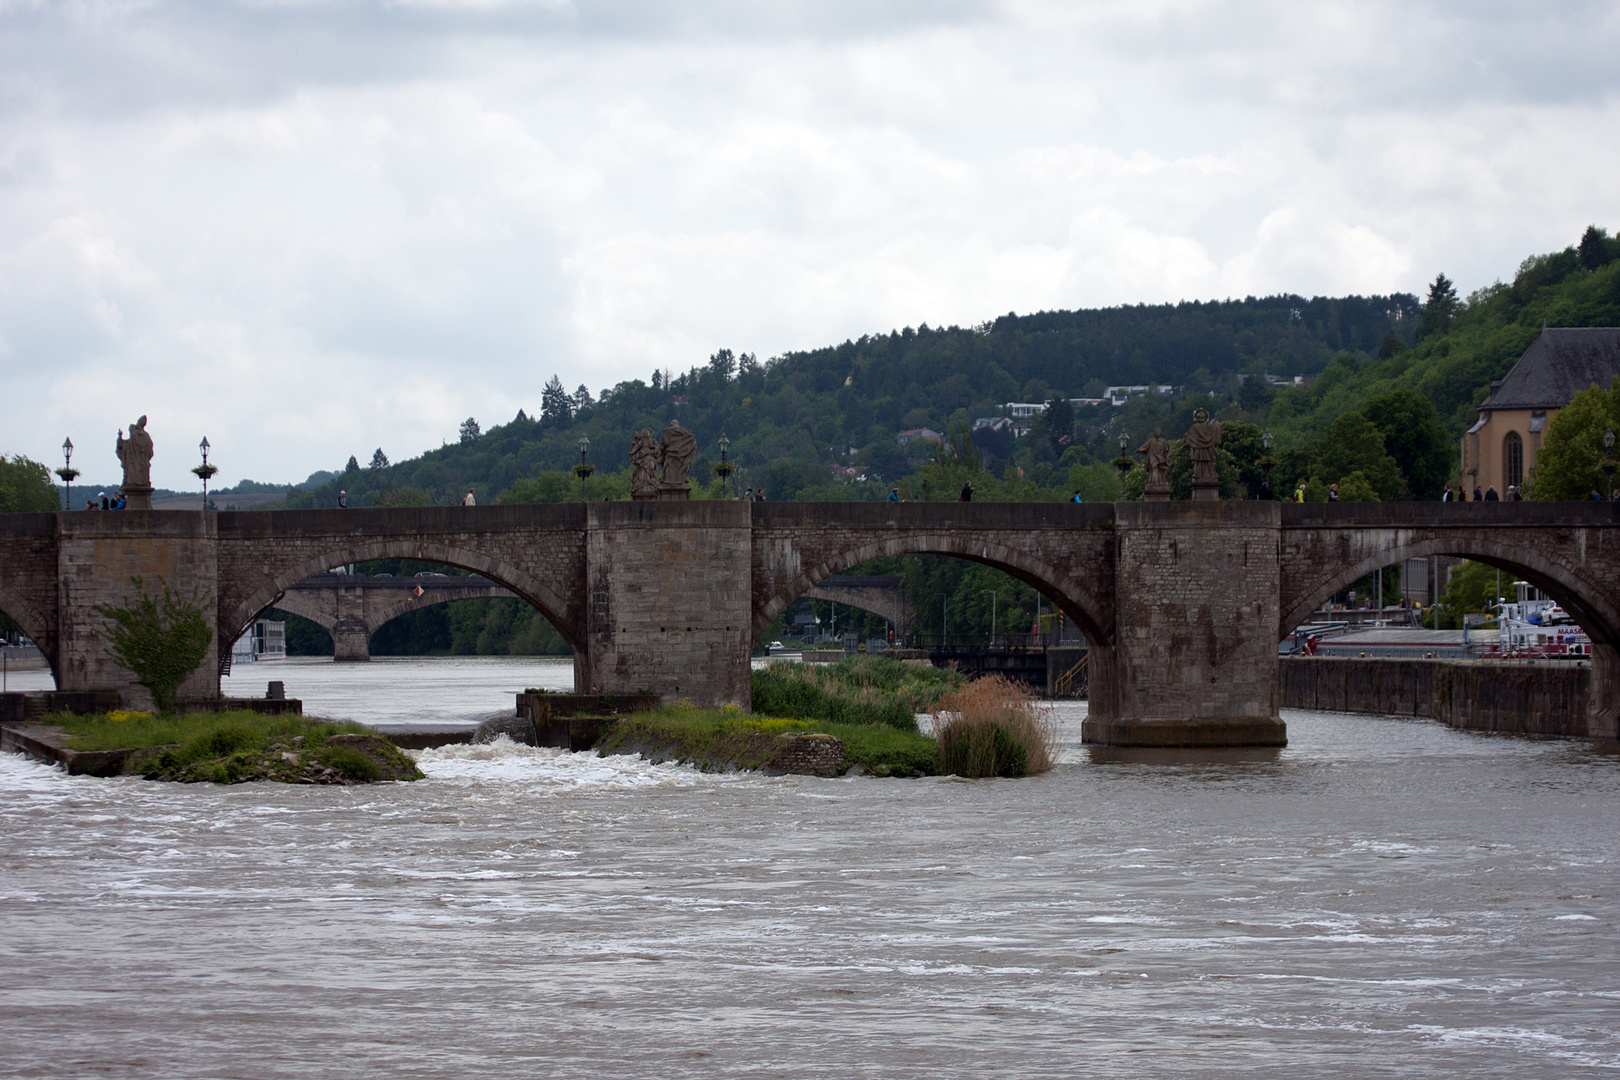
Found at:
[1608, 460]
[992, 593]
[584, 468]
[725, 468]
[67, 472]
[205, 470]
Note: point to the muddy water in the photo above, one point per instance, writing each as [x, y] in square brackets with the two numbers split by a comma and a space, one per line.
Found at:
[1382, 898]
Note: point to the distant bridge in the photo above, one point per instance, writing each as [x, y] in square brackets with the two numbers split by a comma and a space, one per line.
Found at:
[884, 595]
[352, 607]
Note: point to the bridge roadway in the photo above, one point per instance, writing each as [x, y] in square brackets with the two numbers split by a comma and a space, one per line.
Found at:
[1181, 604]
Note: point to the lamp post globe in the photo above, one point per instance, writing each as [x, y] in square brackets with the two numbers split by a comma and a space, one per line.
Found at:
[724, 469]
[67, 472]
[584, 468]
[205, 470]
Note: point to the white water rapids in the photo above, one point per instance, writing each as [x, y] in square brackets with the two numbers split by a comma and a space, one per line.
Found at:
[1384, 897]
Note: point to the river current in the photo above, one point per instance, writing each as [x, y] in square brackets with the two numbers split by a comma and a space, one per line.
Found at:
[1384, 897]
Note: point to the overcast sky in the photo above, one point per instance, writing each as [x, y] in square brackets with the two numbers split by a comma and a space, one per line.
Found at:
[307, 229]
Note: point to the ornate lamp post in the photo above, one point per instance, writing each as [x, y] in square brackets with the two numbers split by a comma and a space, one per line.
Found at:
[1608, 460]
[205, 470]
[1267, 463]
[584, 468]
[67, 472]
[1124, 463]
[725, 468]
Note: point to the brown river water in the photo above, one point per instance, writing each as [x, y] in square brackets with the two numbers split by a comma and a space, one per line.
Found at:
[1385, 897]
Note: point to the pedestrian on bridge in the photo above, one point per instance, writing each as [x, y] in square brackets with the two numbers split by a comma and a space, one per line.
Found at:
[468, 500]
[894, 495]
[343, 500]
[967, 491]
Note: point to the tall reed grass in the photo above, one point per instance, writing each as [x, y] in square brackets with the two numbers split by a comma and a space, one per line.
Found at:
[994, 727]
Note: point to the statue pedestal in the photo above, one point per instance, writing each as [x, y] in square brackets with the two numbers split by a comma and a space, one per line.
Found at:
[674, 492]
[137, 496]
[1161, 493]
[1206, 491]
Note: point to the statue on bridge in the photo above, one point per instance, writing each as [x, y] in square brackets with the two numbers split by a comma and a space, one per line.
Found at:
[1157, 452]
[1203, 439]
[136, 454]
[644, 466]
[680, 447]
[675, 456]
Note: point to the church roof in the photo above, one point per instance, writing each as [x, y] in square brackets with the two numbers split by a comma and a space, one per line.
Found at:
[1559, 364]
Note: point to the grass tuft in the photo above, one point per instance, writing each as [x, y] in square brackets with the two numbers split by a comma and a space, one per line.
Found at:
[994, 727]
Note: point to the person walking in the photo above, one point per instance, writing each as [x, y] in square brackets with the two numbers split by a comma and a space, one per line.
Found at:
[1077, 498]
[1299, 492]
[759, 496]
[1448, 495]
[343, 500]
[1333, 493]
[967, 492]
[1477, 496]
[468, 500]
[1491, 495]
[894, 495]
[748, 496]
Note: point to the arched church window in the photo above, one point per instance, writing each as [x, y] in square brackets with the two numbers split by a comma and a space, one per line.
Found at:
[1513, 458]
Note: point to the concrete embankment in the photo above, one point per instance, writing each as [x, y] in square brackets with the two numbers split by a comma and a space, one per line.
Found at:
[1524, 698]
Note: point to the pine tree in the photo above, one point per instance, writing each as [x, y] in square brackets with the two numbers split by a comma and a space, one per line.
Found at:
[352, 466]
[1594, 249]
[724, 362]
[469, 432]
[379, 460]
[1440, 309]
[582, 397]
[555, 405]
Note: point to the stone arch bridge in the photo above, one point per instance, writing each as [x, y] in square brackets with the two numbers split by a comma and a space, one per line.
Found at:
[352, 607]
[1182, 604]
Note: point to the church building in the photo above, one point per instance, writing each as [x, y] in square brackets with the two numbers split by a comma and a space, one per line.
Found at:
[1500, 449]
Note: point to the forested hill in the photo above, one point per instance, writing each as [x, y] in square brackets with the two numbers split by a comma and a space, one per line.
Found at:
[794, 421]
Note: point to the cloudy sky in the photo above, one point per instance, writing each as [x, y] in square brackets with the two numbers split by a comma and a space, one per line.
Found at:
[306, 229]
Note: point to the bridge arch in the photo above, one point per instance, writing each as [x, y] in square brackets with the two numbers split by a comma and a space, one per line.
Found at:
[1071, 595]
[544, 599]
[34, 625]
[1588, 601]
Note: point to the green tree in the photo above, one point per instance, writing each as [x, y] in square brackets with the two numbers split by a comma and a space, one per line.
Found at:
[1413, 436]
[159, 640]
[1440, 309]
[26, 487]
[1568, 465]
[1595, 250]
[1357, 488]
[1353, 444]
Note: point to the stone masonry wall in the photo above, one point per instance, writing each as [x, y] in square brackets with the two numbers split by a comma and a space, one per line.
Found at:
[669, 601]
[1197, 589]
[1546, 698]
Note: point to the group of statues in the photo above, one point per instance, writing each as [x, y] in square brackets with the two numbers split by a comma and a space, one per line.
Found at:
[1201, 440]
[658, 467]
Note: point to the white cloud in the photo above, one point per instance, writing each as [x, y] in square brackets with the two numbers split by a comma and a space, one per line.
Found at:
[306, 229]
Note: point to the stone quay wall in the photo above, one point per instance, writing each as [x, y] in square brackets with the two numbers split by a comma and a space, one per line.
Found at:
[1547, 698]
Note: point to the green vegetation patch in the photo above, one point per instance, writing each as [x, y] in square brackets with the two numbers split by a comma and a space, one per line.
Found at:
[858, 690]
[236, 747]
[718, 739]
